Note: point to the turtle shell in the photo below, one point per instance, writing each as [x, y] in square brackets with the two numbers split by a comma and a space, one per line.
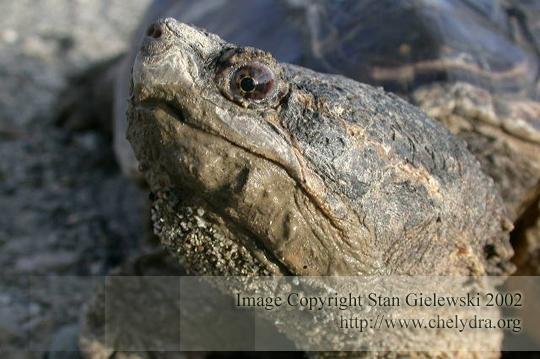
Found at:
[424, 42]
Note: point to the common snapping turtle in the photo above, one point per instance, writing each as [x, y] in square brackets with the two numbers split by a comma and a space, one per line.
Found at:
[316, 174]
[355, 180]
[292, 171]
[471, 65]
[267, 168]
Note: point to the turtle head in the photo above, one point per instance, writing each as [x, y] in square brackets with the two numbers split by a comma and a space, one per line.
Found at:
[197, 96]
[316, 174]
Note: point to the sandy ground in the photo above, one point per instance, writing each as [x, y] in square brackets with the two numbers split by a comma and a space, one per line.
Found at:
[66, 213]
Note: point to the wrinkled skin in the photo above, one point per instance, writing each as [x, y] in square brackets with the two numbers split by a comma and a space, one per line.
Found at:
[325, 175]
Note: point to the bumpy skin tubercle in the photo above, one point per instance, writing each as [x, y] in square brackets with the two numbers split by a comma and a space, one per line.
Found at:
[324, 174]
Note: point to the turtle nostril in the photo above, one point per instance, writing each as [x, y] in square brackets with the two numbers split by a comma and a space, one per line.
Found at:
[154, 31]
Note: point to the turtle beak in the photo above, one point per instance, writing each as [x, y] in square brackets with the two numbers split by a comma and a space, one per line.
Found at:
[171, 56]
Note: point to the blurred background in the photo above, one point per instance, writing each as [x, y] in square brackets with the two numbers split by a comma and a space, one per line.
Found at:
[64, 206]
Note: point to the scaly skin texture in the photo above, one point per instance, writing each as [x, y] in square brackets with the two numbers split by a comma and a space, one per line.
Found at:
[331, 177]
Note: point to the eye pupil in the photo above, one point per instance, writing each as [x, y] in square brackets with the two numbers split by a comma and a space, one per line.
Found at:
[247, 84]
[250, 83]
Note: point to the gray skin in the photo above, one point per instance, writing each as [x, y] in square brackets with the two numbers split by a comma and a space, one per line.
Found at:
[321, 176]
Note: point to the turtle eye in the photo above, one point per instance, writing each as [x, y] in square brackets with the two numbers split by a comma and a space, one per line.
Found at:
[253, 82]
[249, 77]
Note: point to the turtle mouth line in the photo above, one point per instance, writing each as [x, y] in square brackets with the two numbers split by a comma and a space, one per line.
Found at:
[171, 109]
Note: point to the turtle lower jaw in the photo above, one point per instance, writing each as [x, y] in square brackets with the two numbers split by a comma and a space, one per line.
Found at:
[198, 238]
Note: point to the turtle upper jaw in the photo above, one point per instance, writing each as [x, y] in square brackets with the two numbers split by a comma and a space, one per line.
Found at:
[171, 54]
